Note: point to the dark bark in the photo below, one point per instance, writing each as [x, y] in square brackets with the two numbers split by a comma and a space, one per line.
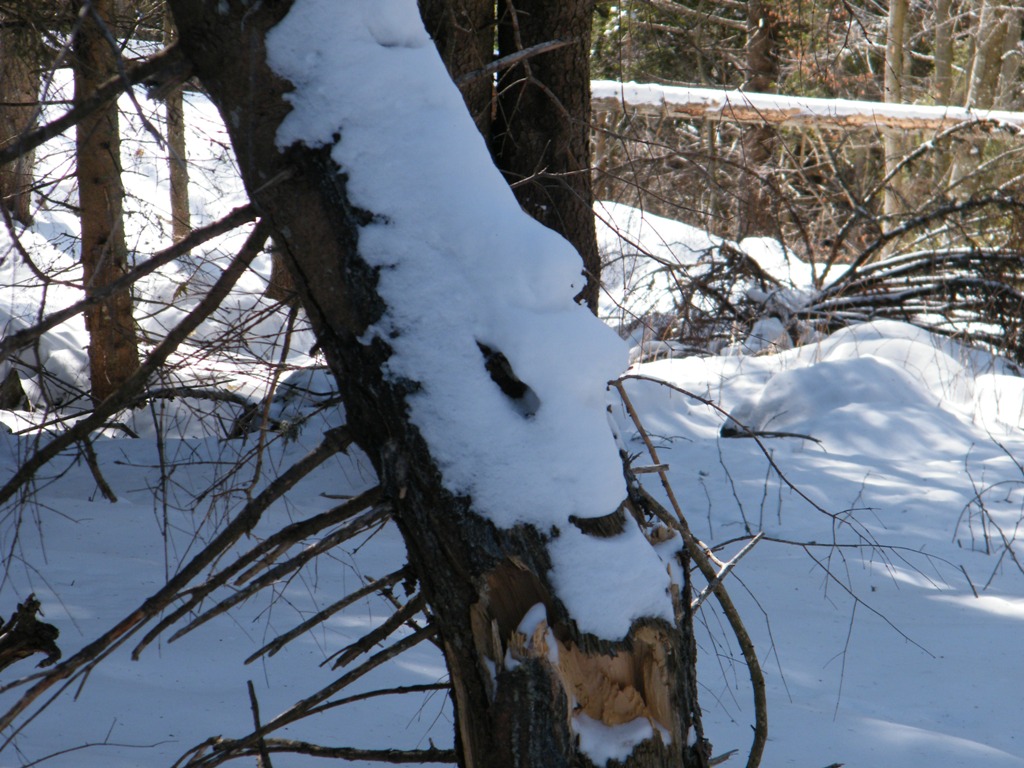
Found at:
[20, 51]
[113, 346]
[541, 133]
[25, 635]
[478, 580]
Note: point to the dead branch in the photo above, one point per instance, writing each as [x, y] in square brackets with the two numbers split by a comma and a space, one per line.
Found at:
[154, 360]
[703, 557]
[513, 58]
[381, 633]
[264, 755]
[222, 750]
[290, 534]
[169, 64]
[359, 525]
[26, 336]
[94, 467]
[377, 585]
[243, 522]
[24, 635]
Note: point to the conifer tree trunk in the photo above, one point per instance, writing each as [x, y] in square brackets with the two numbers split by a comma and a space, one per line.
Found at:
[19, 103]
[113, 348]
[541, 133]
[478, 579]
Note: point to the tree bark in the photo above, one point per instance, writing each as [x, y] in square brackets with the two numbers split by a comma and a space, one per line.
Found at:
[478, 579]
[756, 216]
[113, 347]
[541, 135]
[177, 159]
[463, 31]
[19, 106]
[892, 145]
[943, 51]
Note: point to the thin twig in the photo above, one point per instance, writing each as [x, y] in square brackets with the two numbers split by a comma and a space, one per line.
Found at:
[513, 58]
[94, 467]
[377, 585]
[725, 571]
[264, 755]
[703, 558]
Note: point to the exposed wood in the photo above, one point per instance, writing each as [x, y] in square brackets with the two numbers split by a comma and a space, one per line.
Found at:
[786, 111]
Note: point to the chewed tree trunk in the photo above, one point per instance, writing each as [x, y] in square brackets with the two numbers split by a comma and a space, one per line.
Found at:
[525, 678]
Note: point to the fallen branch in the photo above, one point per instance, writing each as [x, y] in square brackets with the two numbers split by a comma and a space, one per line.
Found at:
[703, 557]
[24, 635]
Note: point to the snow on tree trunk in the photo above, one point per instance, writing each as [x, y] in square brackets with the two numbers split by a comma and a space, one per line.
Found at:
[470, 377]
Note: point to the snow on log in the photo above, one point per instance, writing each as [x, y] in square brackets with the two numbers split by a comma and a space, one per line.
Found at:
[785, 111]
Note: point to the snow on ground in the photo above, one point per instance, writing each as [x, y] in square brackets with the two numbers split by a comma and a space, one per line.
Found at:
[885, 602]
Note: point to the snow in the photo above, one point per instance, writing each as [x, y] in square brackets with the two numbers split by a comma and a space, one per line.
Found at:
[712, 100]
[901, 492]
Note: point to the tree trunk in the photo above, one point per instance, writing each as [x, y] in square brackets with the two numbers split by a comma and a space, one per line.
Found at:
[756, 214]
[113, 348]
[541, 136]
[177, 159]
[19, 105]
[981, 84]
[943, 52]
[892, 146]
[479, 579]
[1008, 96]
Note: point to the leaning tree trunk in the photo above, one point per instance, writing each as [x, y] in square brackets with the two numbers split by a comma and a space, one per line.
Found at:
[113, 346]
[541, 134]
[479, 579]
